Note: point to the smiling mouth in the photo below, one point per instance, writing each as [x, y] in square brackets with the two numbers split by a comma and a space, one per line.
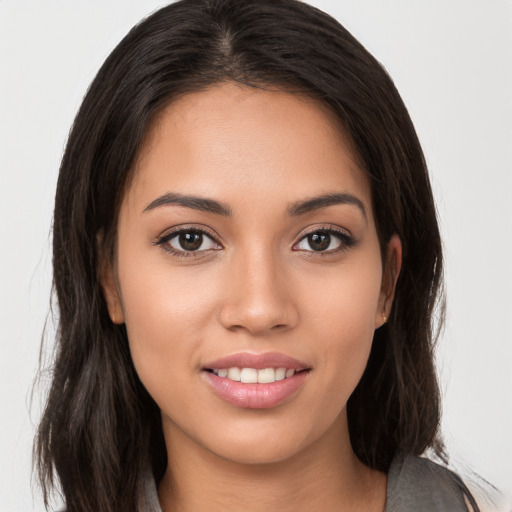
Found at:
[256, 381]
[256, 376]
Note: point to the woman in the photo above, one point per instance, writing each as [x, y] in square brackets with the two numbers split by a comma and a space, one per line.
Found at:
[246, 260]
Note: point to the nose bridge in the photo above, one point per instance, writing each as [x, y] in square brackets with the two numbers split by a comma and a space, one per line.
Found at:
[259, 299]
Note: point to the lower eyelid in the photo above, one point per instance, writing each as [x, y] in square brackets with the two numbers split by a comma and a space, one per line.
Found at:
[164, 241]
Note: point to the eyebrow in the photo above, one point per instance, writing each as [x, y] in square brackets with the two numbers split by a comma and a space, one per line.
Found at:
[196, 203]
[323, 201]
[294, 209]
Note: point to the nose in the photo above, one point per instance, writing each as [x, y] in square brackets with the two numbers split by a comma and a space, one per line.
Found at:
[259, 297]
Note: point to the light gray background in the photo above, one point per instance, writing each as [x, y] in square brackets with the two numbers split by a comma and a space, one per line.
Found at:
[451, 61]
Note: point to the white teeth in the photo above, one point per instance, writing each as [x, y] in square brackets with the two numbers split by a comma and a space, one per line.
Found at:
[252, 375]
[280, 373]
[266, 375]
[249, 375]
[234, 374]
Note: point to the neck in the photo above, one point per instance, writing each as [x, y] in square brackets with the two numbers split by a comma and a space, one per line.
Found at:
[325, 476]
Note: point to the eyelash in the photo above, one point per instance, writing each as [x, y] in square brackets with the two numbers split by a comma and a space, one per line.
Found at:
[164, 240]
[346, 241]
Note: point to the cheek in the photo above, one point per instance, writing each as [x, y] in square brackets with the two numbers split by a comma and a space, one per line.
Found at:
[341, 315]
[347, 298]
[165, 315]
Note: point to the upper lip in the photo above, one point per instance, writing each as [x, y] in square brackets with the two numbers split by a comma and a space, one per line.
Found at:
[257, 361]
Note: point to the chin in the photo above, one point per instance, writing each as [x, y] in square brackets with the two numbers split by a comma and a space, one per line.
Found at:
[254, 454]
[263, 442]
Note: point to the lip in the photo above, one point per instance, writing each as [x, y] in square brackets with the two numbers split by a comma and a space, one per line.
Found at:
[257, 361]
[256, 396]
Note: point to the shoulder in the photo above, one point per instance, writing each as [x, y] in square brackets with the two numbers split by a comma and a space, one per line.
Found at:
[415, 483]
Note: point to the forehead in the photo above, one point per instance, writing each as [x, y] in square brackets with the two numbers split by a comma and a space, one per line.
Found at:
[231, 141]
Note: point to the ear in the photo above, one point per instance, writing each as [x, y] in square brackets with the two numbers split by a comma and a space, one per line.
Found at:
[390, 273]
[108, 281]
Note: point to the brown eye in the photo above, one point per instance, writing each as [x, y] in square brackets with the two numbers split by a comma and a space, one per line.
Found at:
[319, 241]
[325, 240]
[190, 241]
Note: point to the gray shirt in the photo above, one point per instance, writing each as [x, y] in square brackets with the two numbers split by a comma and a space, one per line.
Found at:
[414, 484]
[420, 485]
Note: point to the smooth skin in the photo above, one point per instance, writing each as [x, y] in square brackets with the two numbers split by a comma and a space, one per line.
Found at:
[248, 275]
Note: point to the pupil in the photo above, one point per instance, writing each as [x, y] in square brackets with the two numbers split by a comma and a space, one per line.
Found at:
[190, 241]
[319, 241]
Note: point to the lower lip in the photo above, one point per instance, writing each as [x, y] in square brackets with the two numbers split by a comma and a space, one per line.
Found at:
[255, 396]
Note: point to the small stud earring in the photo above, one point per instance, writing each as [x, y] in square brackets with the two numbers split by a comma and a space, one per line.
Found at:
[384, 317]
[114, 318]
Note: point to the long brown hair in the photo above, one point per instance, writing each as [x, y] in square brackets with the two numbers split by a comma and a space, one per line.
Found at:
[100, 428]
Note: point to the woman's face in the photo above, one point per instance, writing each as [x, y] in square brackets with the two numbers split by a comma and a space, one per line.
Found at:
[247, 249]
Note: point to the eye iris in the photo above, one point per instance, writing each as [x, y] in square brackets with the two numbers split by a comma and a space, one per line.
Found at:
[319, 241]
[190, 241]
